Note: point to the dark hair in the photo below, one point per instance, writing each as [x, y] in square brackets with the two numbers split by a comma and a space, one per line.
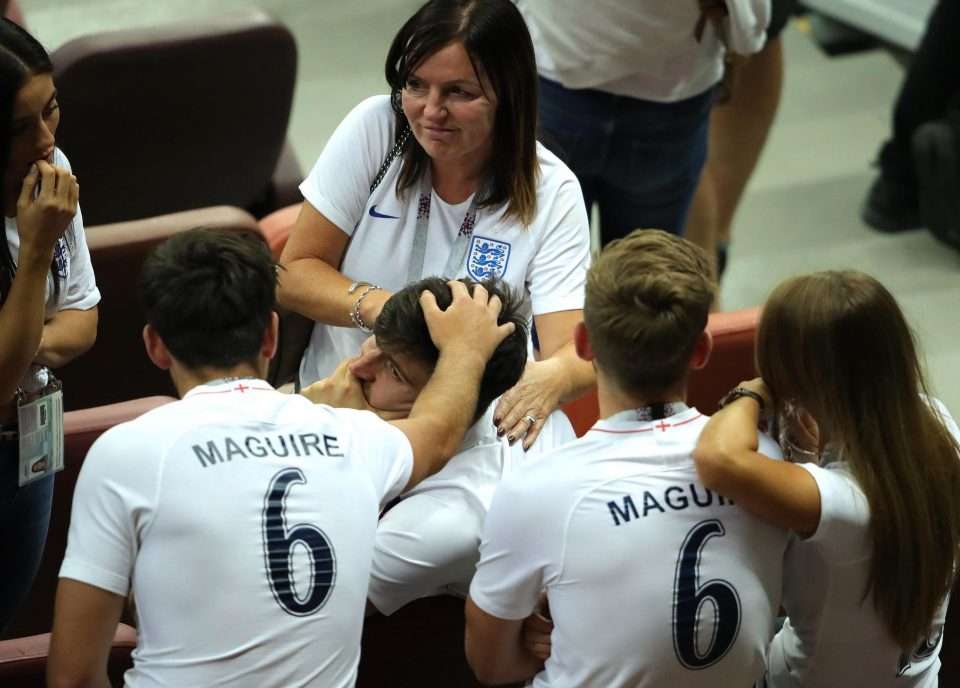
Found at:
[401, 328]
[647, 300]
[209, 294]
[497, 41]
[21, 56]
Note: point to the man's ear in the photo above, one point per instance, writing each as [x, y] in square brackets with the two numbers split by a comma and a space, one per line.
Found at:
[581, 342]
[156, 349]
[271, 337]
[702, 351]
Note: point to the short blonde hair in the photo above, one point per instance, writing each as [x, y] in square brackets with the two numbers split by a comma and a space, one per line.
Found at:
[647, 301]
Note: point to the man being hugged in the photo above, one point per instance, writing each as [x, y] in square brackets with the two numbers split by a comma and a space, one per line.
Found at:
[650, 578]
[244, 518]
[428, 543]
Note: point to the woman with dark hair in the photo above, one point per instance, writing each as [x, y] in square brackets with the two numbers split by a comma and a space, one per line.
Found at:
[48, 314]
[445, 176]
[875, 513]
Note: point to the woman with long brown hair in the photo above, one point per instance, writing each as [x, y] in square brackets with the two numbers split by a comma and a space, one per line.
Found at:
[876, 511]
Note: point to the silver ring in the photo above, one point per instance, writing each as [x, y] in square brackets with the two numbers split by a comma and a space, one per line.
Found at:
[531, 421]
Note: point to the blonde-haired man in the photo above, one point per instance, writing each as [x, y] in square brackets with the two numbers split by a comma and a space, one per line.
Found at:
[651, 579]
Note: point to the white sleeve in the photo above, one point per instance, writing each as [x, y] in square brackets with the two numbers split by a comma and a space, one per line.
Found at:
[515, 555]
[383, 449]
[81, 289]
[748, 23]
[558, 271]
[844, 513]
[427, 541]
[112, 506]
[338, 186]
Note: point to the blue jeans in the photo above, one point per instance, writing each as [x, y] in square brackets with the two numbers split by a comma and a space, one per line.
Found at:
[639, 160]
[24, 517]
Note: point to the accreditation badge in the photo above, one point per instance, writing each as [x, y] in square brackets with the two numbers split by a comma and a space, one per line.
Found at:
[40, 424]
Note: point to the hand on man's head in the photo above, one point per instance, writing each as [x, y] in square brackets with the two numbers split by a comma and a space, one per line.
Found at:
[469, 324]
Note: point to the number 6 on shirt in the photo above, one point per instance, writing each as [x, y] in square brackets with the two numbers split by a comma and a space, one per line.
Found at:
[279, 543]
[688, 597]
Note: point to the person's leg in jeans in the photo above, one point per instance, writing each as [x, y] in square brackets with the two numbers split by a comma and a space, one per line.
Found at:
[654, 163]
[574, 125]
[931, 82]
[24, 518]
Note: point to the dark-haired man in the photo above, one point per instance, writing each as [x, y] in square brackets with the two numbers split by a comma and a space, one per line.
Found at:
[427, 544]
[651, 579]
[244, 518]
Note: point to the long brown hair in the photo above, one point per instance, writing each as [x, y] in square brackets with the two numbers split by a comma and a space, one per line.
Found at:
[497, 41]
[838, 343]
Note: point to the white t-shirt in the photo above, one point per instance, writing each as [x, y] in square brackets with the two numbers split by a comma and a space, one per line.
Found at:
[78, 290]
[428, 543]
[833, 637]
[547, 261]
[652, 579]
[642, 49]
[210, 506]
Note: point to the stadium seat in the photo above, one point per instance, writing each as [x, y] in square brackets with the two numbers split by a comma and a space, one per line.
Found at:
[80, 430]
[117, 368]
[23, 661]
[731, 362]
[180, 116]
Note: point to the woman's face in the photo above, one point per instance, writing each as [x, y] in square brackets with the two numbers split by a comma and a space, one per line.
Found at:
[36, 115]
[451, 109]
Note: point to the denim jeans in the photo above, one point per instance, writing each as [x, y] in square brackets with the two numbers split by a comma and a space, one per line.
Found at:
[24, 517]
[639, 160]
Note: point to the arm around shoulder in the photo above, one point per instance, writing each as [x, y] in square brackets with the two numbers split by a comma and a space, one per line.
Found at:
[728, 462]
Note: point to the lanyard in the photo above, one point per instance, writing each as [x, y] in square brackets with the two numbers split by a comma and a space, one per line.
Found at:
[459, 252]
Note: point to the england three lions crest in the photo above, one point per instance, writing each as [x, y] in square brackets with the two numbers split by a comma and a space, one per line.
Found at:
[487, 258]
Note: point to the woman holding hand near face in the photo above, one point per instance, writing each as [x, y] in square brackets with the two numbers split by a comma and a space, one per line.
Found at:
[469, 193]
[48, 297]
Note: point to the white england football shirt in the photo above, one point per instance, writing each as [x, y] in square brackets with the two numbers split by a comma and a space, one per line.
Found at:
[546, 262]
[244, 520]
[833, 636]
[652, 579]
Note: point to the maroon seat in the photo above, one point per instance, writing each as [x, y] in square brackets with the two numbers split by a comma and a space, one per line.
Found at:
[180, 116]
[23, 661]
[117, 368]
[81, 429]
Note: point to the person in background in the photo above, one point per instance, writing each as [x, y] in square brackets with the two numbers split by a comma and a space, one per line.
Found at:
[626, 90]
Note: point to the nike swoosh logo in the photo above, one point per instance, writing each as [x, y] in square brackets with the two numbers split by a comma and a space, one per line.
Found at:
[374, 213]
